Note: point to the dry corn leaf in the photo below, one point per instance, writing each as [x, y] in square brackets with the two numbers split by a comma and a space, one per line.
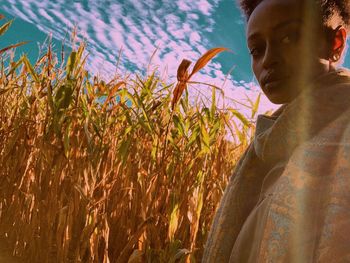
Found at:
[203, 60]
[182, 71]
[182, 77]
[13, 46]
[41, 190]
[5, 27]
[40, 61]
[113, 91]
[136, 256]
[180, 87]
[124, 255]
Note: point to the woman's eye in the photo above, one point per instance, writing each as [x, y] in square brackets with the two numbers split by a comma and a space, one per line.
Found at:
[286, 39]
[254, 52]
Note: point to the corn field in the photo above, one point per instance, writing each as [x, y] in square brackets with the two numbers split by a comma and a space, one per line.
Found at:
[124, 170]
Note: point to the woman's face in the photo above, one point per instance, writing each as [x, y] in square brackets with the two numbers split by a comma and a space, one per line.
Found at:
[286, 47]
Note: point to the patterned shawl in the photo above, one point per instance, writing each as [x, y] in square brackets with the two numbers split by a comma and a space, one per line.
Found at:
[288, 199]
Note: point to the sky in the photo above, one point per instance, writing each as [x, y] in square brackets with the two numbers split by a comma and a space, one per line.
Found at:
[178, 30]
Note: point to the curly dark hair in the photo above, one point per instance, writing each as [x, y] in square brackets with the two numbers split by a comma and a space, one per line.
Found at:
[328, 7]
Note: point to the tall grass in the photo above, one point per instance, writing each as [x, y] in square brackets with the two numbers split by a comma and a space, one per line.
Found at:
[87, 177]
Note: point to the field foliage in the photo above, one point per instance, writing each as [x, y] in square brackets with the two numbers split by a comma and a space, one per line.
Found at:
[124, 170]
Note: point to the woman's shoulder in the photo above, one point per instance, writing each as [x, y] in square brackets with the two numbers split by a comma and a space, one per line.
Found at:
[339, 76]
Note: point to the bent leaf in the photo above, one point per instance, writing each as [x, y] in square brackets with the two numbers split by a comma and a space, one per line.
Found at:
[180, 87]
[12, 46]
[203, 60]
[182, 73]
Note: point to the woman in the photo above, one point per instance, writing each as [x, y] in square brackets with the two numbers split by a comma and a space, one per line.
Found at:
[289, 197]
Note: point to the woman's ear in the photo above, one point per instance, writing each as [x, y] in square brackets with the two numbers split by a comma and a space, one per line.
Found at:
[338, 44]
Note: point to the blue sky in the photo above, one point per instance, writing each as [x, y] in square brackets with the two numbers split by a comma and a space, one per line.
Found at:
[181, 29]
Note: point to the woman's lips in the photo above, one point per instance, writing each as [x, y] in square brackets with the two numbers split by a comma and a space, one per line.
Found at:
[273, 84]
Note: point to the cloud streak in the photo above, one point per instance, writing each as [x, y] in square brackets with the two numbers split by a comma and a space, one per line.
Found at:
[176, 28]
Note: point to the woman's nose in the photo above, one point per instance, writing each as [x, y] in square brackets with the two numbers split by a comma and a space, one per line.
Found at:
[271, 57]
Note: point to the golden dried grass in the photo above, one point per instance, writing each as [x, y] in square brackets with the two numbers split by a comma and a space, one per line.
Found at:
[87, 177]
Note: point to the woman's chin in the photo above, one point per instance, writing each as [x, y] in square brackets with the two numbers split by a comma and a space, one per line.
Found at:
[277, 100]
[279, 94]
[279, 97]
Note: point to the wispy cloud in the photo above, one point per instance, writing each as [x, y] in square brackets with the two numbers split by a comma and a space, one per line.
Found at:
[176, 28]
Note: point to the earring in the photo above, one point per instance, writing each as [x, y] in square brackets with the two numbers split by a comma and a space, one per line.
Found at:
[335, 57]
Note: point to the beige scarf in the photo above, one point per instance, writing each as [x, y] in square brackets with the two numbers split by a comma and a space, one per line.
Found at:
[288, 199]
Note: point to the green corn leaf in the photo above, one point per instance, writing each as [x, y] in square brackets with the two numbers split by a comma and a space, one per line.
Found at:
[147, 122]
[178, 124]
[79, 54]
[123, 150]
[89, 88]
[148, 84]
[128, 130]
[174, 221]
[240, 117]
[64, 97]
[145, 125]
[84, 105]
[170, 169]
[66, 140]
[214, 132]
[97, 130]
[71, 63]
[241, 136]
[128, 118]
[193, 137]
[207, 114]
[30, 69]
[184, 101]
[213, 104]
[205, 139]
[256, 106]
[154, 149]
[127, 95]
[189, 166]
[187, 125]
